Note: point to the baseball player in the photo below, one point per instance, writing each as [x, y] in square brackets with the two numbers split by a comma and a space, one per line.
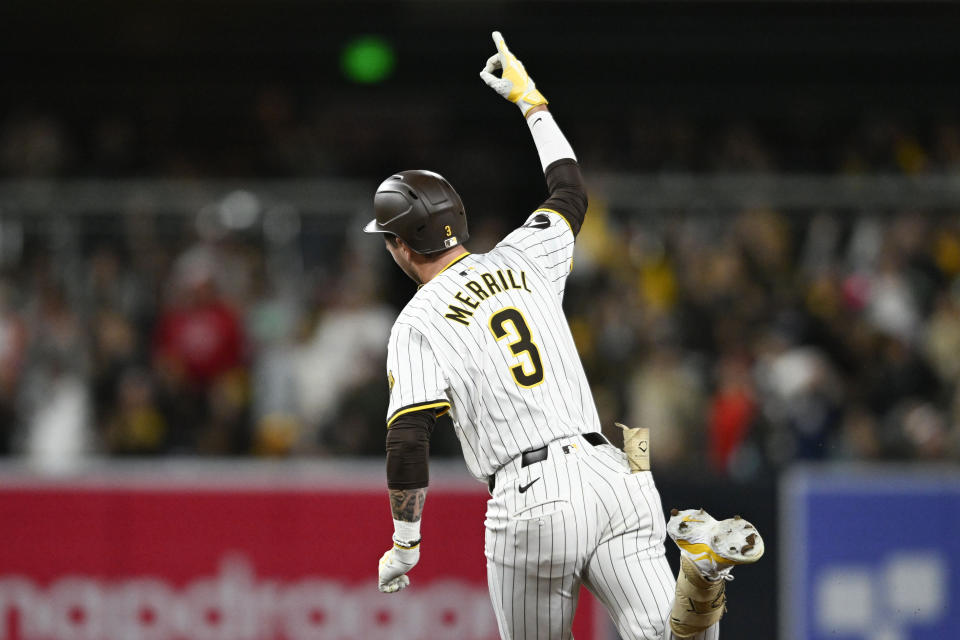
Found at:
[485, 339]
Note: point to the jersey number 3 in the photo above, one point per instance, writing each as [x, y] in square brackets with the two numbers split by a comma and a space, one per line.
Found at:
[523, 344]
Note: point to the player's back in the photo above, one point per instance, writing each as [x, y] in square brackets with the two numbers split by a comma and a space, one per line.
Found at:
[506, 359]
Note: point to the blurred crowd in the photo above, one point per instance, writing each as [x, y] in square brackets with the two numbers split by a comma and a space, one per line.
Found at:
[135, 341]
[760, 339]
[276, 133]
[750, 339]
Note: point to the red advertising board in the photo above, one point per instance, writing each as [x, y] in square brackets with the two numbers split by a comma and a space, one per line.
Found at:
[221, 553]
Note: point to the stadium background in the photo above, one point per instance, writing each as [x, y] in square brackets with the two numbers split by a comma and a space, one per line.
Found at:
[769, 278]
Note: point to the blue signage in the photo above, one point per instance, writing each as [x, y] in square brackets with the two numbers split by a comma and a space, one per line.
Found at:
[870, 554]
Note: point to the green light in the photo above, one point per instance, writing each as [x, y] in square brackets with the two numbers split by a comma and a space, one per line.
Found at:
[367, 59]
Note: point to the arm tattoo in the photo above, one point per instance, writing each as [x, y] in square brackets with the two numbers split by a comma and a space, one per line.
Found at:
[407, 504]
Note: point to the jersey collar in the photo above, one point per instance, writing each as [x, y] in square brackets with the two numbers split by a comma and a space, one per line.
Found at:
[453, 262]
[449, 264]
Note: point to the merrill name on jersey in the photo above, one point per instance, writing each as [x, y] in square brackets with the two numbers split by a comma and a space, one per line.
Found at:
[505, 280]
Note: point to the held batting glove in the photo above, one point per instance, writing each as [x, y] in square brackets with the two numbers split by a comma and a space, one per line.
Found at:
[394, 565]
[514, 85]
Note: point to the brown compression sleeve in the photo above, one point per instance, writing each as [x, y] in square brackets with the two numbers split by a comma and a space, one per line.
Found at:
[568, 195]
[408, 450]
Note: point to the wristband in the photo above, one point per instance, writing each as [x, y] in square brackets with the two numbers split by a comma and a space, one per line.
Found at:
[406, 534]
[535, 100]
[550, 141]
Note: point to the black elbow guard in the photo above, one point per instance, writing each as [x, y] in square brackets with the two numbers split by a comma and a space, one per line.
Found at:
[568, 195]
[408, 450]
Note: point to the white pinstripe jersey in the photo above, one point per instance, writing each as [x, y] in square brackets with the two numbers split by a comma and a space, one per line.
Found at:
[487, 340]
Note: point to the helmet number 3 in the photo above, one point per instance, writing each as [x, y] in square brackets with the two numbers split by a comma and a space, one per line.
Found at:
[510, 322]
[446, 228]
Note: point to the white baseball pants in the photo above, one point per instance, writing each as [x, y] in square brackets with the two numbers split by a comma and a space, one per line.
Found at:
[578, 517]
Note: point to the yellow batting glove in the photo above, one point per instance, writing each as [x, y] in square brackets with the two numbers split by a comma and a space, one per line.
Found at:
[514, 84]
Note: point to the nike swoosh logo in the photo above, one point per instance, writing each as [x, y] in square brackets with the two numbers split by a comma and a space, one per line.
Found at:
[523, 489]
[541, 221]
[536, 122]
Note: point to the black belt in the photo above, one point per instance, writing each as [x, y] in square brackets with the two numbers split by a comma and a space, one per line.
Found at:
[533, 456]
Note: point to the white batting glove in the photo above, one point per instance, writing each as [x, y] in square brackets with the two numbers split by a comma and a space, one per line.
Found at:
[515, 84]
[394, 565]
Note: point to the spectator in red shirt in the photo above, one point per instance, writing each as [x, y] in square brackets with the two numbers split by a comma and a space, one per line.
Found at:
[731, 413]
[202, 339]
[199, 349]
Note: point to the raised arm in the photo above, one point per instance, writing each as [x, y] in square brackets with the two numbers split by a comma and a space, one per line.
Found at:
[568, 196]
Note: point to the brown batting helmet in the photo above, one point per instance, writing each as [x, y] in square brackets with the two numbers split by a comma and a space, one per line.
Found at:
[422, 209]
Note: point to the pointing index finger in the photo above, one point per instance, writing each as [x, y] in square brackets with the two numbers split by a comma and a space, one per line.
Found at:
[499, 41]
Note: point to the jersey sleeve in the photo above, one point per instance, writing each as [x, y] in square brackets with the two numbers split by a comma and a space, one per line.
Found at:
[547, 240]
[414, 375]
